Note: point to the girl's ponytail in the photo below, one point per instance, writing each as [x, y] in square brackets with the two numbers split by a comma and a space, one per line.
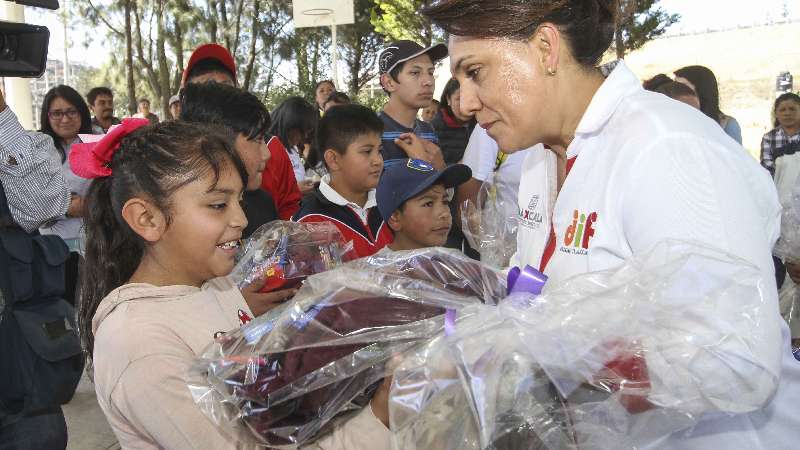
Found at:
[112, 255]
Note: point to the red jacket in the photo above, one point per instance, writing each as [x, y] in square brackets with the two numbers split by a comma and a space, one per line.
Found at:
[367, 237]
[279, 180]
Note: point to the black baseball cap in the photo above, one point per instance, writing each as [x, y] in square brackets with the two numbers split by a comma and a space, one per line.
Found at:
[403, 179]
[401, 51]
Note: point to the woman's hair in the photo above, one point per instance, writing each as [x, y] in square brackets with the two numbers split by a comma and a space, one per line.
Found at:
[72, 97]
[295, 113]
[657, 81]
[152, 162]
[449, 89]
[587, 24]
[789, 96]
[706, 88]
[673, 89]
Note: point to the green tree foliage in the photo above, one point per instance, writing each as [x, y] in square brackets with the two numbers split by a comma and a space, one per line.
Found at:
[359, 46]
[398, 19]
[639, 21]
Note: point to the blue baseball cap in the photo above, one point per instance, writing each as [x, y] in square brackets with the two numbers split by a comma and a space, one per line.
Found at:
[403, 179]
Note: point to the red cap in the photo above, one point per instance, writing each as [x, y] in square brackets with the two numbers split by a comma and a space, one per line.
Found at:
[210, 51]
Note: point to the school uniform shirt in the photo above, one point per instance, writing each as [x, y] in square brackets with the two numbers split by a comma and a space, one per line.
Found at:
[146, 337]
[644, 168]
[392, 130]
[279, 181]
[361, 225]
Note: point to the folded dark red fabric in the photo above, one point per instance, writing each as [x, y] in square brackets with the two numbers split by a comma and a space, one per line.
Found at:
[288, 397]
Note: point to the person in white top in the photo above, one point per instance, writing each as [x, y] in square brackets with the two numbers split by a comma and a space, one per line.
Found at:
[628, 169]
[490, 165]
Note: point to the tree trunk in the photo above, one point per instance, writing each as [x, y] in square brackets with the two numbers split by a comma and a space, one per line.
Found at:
[176, 81]
[619, 44]
[129, 60]
[251, 58]
[355, 68]
[212, 20]
[163, 90]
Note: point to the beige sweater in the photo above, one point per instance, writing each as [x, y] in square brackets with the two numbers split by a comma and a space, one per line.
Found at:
[145, 339]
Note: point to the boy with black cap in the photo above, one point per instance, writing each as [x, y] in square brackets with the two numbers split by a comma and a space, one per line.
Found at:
[406, 71]
[414, 201]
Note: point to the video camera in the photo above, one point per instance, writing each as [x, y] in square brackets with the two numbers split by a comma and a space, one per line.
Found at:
[23, 47]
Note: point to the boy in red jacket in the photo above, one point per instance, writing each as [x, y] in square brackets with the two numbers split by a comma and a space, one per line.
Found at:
[349, 139]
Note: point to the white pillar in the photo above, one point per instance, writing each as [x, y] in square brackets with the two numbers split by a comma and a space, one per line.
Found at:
[18, 90]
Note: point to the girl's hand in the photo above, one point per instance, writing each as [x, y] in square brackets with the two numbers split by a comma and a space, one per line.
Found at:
[261, 303]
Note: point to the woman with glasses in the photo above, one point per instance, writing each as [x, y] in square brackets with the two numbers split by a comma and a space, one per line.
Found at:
[64, 116]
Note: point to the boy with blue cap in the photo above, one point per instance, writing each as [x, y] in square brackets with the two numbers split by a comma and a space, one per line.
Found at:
[414, 201]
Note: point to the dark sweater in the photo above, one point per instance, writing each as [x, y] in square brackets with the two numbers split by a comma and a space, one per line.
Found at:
[259, 208]
[453, 136]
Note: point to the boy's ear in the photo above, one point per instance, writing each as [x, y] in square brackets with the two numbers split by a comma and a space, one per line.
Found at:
[388, 82]
[145, 219]
[394, 221]
[331, 157]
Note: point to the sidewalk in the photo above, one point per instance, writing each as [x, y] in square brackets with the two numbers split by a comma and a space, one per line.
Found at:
[87, 428]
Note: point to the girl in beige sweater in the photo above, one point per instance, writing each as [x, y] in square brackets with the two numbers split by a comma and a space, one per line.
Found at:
[163, 227]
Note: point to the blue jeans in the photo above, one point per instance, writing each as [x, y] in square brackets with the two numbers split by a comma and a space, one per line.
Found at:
[43, 430]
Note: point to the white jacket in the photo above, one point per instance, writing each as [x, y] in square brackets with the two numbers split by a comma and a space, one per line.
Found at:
[649, 168]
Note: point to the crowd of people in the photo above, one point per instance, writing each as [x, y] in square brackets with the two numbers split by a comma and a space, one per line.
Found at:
[152, 212]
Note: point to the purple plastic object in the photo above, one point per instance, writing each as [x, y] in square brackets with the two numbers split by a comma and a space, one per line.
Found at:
[526, 280]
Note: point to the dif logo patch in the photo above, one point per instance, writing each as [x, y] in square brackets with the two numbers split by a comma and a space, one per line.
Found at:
[580, 233]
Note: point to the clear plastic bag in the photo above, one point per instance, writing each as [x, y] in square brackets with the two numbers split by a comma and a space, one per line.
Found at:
[490, 226]
[618, 359]
[285, 253]
[788, 249]
[284, 381]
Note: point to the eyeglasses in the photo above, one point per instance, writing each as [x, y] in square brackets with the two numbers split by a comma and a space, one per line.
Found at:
[59, 114]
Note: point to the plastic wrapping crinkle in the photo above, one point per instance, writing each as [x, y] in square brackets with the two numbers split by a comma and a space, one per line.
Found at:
[607, 360]
[788, 249]
[284, 381]
[283, 254]
[490, 226]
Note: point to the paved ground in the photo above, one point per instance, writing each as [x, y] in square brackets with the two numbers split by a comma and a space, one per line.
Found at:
[87, 427]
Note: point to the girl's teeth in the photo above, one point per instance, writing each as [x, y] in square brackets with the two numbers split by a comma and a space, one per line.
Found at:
[228, 245]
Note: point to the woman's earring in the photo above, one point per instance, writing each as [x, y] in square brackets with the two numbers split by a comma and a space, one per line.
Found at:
[551, 71]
